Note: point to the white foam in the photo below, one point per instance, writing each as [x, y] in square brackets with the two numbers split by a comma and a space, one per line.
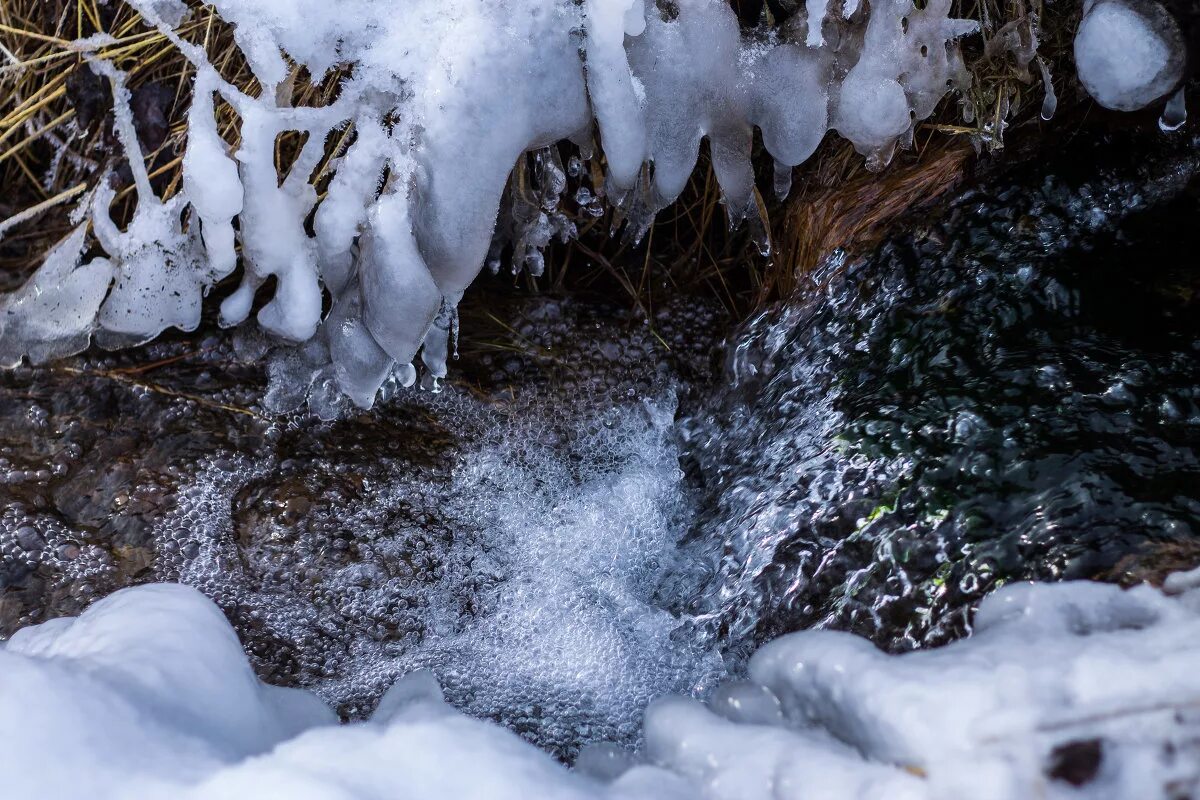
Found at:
[533, 588]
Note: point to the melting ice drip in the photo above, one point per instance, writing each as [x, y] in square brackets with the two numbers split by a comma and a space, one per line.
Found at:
[441, 100]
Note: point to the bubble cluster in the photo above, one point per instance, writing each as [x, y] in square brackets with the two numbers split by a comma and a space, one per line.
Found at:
[515, 533]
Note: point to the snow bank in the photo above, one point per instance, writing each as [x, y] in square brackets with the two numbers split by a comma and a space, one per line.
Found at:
[1073, 690]
[442, 98]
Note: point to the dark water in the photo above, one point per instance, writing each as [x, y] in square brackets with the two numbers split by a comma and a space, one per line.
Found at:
[1011, 392]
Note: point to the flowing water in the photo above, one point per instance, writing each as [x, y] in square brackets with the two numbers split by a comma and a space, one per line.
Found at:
[1011, 392]
[587, 518]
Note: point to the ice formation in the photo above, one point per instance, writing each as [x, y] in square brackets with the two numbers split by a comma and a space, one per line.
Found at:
[440, 100]
[1073, 690]
[1129, 53]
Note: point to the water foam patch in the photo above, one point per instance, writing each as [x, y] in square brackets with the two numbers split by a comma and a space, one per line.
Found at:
[535, 570]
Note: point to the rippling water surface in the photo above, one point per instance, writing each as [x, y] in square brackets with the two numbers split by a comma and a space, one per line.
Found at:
[1012, 392]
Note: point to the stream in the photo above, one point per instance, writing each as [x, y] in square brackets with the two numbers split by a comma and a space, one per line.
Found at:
[600, 509]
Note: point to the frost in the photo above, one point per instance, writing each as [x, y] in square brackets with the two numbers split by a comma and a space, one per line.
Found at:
[437, 102]
[150, 694]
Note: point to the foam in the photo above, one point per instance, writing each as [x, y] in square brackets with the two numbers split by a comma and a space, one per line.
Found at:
[528, 575]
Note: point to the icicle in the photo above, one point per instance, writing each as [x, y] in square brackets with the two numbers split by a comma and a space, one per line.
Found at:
[815, 9]
[1050, 102]
[783, 181]
[444, 103]
[1175, 114]
[759, 225]
[210, 179]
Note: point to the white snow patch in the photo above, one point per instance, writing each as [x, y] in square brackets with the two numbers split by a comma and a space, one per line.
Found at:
[147, 694]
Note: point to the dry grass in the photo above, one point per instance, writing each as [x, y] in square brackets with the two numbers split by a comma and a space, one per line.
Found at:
[841, 205]
[49, 156]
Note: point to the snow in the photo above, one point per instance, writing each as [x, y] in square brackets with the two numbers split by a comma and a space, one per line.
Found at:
[442, 100]
[1128, 54]
[147, 689]
[147, 694]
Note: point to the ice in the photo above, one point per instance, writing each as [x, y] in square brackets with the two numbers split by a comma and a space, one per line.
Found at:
[1047, 666]
[54, 313]
[904, 71]
[731, 761]
[400, 298]
[1128, 54]
[149, 694]
[1175, 113]
[439, 101]
[274, 242]
[611, 87]
[1180, 582]
[211, 182]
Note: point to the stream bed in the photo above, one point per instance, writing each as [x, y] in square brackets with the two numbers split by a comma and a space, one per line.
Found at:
[595, 512]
